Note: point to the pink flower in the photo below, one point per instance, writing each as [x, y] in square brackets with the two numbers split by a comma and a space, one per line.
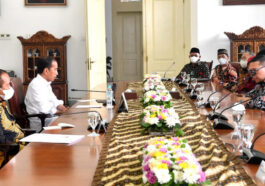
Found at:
[167, 162]
[203, 177]
[176, 139]
[183, 158]
[176, 143]
[151, 177]
[164, 98]
[164, 110]
[147, 158]
[146, 167]
[159, 117]
[164, 150]
[153, 96]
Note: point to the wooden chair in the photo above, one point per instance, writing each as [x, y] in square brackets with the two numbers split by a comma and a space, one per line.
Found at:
[18, 107]
[209, 65]
[18, 110]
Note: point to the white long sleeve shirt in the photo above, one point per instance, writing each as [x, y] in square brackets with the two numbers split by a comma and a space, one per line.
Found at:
[40, 99]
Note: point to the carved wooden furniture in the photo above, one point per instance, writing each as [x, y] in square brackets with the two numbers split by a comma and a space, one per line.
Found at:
[252, 40]
[43, 44]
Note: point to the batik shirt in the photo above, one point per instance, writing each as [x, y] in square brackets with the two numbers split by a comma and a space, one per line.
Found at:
[198, 70]
[245, 82]
[258, 96]
[10, 131]
[225, 77]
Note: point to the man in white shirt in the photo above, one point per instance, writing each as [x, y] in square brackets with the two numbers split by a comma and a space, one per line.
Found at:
[40, 97]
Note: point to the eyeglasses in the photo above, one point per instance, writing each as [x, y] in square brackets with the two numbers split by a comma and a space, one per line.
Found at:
[253, 72]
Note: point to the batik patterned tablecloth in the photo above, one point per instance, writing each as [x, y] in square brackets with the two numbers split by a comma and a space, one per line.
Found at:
[119, 162]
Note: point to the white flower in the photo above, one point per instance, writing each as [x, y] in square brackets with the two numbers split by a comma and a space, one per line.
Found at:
[153, 121]
[144, 178]
[151, 148]
[157, 98]
[170, 121]
[178, 176]
[162, 175]
[190, 176]
[147, 99]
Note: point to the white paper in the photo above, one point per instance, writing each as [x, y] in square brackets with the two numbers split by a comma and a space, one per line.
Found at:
[66, 125]
[59, 126]
[89, 106]
[53, 138]
[261, 172]
[86, 100]
[52, 128]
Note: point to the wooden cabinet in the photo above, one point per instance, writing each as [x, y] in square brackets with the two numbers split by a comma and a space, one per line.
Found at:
[43, 44]
[252, 40]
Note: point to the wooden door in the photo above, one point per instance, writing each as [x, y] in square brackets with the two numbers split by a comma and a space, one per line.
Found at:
[127, 40]
[164, 36]
[95, 42]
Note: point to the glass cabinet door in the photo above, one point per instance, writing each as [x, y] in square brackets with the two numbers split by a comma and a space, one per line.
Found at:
[57, 53]
[241, 48]
[32, 55]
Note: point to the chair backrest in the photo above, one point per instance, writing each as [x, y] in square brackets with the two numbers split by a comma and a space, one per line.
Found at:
[209, 65]
[237, 66]
[16, 103]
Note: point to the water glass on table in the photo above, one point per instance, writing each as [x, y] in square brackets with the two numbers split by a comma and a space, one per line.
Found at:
[93, 119]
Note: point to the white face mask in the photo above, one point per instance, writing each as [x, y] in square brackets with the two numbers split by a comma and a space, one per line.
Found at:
[7, 94]
[222, 61]
[243, 63]
[194, 59]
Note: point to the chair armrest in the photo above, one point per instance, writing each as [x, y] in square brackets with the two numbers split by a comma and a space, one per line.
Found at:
[8, 146]
[28, 132]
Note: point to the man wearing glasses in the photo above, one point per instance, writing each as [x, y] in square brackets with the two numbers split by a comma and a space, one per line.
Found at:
[256, 69]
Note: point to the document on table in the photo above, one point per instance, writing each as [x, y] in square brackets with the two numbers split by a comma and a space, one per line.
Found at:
[53, 138]
[86, 100]
[89, 106]
[59, 126]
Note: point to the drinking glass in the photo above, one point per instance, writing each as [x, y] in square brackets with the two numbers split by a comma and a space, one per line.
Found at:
[93, 122]
[183, 76]
[213, 101]
[187, 79]
[237, 118]
[247, 133]
[193, 83]
[199, 90]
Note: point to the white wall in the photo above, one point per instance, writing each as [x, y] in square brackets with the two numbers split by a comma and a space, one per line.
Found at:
[214, 19]
[18, 20]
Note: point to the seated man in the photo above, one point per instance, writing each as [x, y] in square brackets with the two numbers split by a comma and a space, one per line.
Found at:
[245, 82]
[10, 131]
[195, 68]
[256, 68]
[224, 74]
[40, 97]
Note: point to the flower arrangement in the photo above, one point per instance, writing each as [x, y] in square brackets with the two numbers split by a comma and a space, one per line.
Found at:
[152, 97]
[153, 77]
[170, 161]
[160, 118]
[153, 85]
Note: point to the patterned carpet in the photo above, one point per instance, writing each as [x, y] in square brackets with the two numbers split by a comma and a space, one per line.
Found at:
[119, 160]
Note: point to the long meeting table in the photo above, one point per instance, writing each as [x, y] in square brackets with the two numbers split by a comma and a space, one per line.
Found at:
[60, 164]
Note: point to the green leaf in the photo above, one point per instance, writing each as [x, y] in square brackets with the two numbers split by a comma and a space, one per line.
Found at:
[207, 182]
[145, 125]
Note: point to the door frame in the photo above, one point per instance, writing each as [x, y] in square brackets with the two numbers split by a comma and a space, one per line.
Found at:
[117, 7]
[190, 28]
